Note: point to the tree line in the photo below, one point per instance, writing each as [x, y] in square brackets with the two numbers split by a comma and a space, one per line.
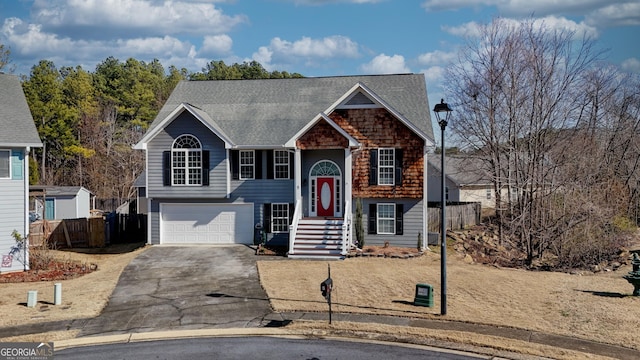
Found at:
[88, 121]
[557, 130]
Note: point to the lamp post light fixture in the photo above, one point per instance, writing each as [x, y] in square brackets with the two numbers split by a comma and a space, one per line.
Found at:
[443, 114]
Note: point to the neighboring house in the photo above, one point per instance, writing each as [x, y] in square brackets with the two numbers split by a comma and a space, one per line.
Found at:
[18, 135]
[227, 160]
[62, 202]
[466, 181]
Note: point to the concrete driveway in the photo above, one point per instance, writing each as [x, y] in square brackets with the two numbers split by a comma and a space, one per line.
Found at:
[190, 287]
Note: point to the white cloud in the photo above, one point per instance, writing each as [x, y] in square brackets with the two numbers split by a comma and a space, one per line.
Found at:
[28, 41]
[470, 29]
[473, 29]
[311, 52]
[384, 64]
[325, 2]
[621, 14]
[436, 57]
[631, 65]
[434, 74]
[216, 45]
[328, 47]
[520, 7]
[123, 16]
[597, 13]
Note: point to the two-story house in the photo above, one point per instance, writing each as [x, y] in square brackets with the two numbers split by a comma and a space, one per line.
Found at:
[18, 135]
[226, 160]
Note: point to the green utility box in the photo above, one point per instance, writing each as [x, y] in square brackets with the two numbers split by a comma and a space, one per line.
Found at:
[424, 295]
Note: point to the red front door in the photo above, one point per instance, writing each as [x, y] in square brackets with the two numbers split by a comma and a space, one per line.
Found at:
[324, 197]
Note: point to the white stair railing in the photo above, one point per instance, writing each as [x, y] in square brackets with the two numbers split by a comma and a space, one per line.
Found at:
[346, 228]
[293, 228]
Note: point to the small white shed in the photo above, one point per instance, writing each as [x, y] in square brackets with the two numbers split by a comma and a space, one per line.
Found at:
[62, 202]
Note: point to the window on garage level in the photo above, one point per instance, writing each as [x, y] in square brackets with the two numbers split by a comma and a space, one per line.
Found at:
[386, 219]
[279, 217]
[186, 164]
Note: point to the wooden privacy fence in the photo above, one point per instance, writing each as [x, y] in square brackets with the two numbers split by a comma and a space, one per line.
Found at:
[92, 232]
[68, 233]
[459, 215]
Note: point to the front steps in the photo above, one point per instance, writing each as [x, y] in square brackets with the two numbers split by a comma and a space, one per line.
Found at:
[318, 238]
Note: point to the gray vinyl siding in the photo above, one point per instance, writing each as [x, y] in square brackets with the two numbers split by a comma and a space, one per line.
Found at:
[258, 192]
[187, 124]
[12, 213]
[412, 223]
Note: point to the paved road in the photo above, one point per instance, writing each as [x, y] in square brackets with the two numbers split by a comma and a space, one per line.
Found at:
[257, 348]
[195, 287]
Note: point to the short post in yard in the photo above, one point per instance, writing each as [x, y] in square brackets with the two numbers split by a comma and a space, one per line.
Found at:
[326, 287]
[443, 108]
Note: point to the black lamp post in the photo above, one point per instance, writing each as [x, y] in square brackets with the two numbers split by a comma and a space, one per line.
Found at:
[443, 120]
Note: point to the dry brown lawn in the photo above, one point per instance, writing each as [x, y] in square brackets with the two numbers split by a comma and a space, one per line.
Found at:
[82, 297]
[591, 306]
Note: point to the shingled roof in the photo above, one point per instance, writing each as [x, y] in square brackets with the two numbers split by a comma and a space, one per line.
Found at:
[270, 112]
[18, 128]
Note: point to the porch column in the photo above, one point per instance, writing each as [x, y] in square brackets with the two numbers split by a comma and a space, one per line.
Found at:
[298, 174]
[425, 198]
[348, 173]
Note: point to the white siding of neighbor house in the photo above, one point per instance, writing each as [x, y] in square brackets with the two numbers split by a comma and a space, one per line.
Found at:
[187, 124]
[12, 216]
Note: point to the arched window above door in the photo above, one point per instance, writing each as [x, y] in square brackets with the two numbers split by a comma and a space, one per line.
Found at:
[325, 168]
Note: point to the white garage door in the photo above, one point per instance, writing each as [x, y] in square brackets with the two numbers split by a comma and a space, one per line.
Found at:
[206, 224]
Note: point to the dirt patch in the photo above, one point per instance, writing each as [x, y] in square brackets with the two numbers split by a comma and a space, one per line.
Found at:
[385, 251]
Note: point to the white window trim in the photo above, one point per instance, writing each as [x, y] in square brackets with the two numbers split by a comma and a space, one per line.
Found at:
[392, 166]
[186, 168]
[252, 165]
[8, 163]
[393, 218]
[276, 164]
[273, 218]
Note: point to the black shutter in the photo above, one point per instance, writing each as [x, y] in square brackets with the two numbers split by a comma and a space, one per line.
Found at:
[291, 159]
[373, 167]
[235, 164]
[205, 168]
[257, 162]
[373, 219]
[166, 168]
[399, 218]
[292, 209]
[270, 162]
[398, 163]
[267, 218]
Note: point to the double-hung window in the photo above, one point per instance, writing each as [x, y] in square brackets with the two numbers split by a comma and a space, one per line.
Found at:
[186, 161]
[386, 166]
[5, 164]
[281, 164]
[386, 218]
[279, 217]
[247, 164]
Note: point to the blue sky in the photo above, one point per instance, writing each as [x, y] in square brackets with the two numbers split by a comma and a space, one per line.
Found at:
[312, 37]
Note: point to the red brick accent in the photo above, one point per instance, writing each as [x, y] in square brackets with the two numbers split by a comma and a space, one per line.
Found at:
[322, 136]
